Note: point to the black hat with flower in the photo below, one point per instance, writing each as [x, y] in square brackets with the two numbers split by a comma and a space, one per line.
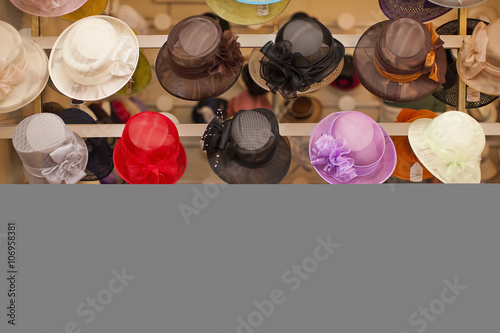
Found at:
[303, 58]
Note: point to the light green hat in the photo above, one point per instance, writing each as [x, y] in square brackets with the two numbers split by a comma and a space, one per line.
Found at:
[449, 146]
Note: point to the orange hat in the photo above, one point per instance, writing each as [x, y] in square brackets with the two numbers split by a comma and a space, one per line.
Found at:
[406, 158]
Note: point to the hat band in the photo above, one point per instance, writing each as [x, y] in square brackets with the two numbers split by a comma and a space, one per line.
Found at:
[122, 62]
[70, 162]
[429, 67]
[149, 170]
[474, 55]
[12, 75]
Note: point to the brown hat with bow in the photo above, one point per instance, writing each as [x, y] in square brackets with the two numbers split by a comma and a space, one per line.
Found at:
[400, 60]
[199, 60]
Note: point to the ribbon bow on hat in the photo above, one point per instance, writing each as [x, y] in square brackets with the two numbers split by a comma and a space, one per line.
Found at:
[11, 75]
[69, 169]
[474, 51]
[328, 154]
[228, 60]
[123, 58]
[218, 136]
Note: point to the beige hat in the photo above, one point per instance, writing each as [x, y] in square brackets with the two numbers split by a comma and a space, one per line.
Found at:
[94, 58]
[478, 61]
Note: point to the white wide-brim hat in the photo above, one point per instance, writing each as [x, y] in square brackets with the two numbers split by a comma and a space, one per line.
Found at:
[449, 146]
[94, 58]
[36, 74]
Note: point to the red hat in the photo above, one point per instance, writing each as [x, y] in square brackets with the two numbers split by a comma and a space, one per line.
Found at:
[149, 151]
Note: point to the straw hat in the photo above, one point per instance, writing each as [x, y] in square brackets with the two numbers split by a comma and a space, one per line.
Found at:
[349, 147]
[478, 61]
[48, 8]
[238, 12]
[94, 58]
[51, 153]
[149, 151]
[303, 58]
[447, 93]
[247, 148]
[347, 79]
[392, 68]
[23, 69]
[199, 61]
[449, 146]
[457, 3]
[420, 10]
[303, 109]
[408, 167]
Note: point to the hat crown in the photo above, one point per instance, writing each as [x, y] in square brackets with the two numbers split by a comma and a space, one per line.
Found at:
[192, 42]
[363, 134]
[295, 31]
[255, 135]
[88, 48]
[455, 136]
[404, 44]
[150, 134]
[12, 49]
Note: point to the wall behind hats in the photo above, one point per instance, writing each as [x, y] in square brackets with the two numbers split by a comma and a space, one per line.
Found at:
[363, 12]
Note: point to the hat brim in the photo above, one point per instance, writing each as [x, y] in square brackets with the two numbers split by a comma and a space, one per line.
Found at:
[454, 3]
[245, 14]
[254, 69]
[403, 165]
[425, 154]
[68, 7]
[140, 79]
[75, 90]
[374, 82]
[288, 117]
[420, 10]
[271, 173]
[34, 81]
[384, 169]
[89, 8]
[41, 180]
[122, 169]
[190, 89]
